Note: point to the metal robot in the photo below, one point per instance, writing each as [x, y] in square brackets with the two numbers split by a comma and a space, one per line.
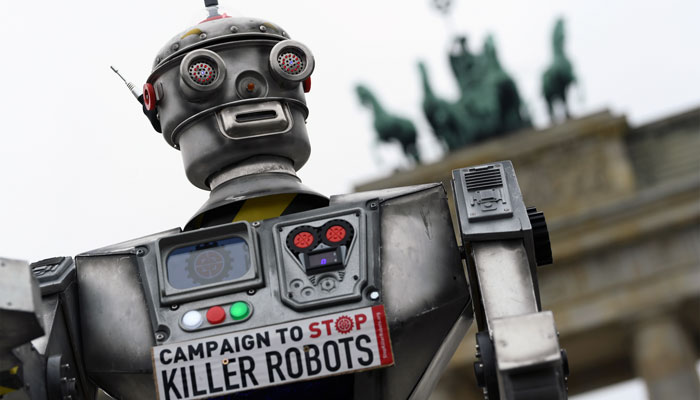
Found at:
[271, 290]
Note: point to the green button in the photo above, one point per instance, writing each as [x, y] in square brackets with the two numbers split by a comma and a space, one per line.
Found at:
[239, 310]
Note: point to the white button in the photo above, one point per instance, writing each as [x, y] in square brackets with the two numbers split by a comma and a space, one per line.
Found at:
[192, 320]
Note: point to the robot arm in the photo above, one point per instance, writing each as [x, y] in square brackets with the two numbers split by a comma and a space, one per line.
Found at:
[517, 344]
[39, 342]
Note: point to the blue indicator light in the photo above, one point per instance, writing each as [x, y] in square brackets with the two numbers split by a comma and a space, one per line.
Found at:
[324, 261]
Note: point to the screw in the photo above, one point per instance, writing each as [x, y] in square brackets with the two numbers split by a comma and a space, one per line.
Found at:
[256, 224]
[263, 28]
[176, 46]
[284, 33]
[174, 307]
[233, 29]
[251, 292]
[374, 295]
[140, 252]
[160, 336]
[202, 35]
[373, 205]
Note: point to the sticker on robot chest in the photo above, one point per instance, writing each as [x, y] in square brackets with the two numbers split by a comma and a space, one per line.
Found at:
[306, 349]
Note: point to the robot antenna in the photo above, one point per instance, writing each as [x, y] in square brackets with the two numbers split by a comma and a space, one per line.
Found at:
[130, 85]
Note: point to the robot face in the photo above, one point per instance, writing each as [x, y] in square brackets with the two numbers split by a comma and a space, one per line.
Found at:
[233, 96]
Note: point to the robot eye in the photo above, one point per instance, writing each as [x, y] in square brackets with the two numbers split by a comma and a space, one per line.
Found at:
[202, 72]
[291, 62]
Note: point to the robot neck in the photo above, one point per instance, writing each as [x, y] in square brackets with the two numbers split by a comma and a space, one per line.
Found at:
[249, 182]
[253, 166]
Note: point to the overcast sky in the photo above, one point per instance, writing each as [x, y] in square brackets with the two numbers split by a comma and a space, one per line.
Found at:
[80, 166]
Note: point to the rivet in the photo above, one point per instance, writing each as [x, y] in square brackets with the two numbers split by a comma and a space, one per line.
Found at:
[175, 46]
[374, 295]
[174, 307]
[160, 336]
[233, 29]
[251, 292]
[256, 224]
[263, 28]
[284, 33]
[157, 60]
[202, 35]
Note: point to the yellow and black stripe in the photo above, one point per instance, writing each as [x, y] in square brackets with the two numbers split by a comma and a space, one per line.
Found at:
[258, 209]
[10, 381]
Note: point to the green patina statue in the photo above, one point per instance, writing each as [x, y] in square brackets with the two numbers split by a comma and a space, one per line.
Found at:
[559, 76]
[489, 103]
[390, 127]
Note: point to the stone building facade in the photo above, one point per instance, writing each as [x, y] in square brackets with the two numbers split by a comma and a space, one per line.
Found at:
[623, 209]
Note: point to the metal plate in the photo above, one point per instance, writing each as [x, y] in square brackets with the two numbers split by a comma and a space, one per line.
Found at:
[279, 354]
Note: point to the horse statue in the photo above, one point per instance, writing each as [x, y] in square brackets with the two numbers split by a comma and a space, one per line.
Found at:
[390, 127]
[559, 76]
[450, 124]
[489, 97]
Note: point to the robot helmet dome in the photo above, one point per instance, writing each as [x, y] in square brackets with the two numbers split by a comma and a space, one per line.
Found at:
[218, 29]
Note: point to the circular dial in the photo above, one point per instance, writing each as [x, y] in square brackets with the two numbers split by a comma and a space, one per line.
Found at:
[290, 62]
[202, 73]
[302, 239]
[337, 232]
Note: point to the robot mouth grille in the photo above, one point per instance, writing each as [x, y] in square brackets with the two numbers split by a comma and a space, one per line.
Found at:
[291, 63]
[202, 73]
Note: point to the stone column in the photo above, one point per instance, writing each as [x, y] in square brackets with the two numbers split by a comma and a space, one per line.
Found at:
[665, 358]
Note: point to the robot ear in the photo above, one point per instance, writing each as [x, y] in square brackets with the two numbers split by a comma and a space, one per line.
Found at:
[202, 72]
[291, 62]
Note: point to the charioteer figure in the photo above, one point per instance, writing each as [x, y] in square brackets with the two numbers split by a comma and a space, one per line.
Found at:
[273, 290]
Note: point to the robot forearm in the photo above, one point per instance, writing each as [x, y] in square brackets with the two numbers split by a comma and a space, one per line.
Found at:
[517, 346]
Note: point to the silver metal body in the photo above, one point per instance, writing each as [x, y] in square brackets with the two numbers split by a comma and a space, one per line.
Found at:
[403, 255]
[405, 251]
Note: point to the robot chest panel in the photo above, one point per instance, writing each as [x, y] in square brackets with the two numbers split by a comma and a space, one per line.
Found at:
[399, 252]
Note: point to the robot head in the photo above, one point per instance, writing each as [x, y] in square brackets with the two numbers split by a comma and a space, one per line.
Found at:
[228, 89]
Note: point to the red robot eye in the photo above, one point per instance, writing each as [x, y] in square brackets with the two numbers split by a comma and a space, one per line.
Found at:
[202, 73]
[290, 63]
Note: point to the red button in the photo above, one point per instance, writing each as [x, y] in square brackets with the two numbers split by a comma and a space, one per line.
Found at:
[216, 315]
[303, 240]
[335, 233]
